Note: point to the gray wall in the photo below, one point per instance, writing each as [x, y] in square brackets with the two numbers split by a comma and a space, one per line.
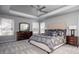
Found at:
[67, 19]
[17, 20]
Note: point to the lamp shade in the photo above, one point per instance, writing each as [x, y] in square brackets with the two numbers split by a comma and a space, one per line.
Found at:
[72, 27]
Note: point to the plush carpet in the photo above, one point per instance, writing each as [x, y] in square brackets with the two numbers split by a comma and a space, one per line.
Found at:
[66, 49]
[23, 47]
[20, 47]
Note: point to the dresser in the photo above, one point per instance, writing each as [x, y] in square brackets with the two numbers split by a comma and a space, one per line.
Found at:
[23, 35]
[72, 40]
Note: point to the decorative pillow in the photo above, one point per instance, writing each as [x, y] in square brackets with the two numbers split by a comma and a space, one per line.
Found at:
[54, 33]
[60, 33]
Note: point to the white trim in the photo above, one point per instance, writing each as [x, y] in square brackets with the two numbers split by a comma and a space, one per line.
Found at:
[57, 11]
[22, 14]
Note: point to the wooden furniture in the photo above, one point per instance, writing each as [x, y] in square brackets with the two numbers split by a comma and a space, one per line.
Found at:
[24, 35]
[72, 40]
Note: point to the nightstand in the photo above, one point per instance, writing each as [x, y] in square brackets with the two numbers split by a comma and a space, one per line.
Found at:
[72, 40]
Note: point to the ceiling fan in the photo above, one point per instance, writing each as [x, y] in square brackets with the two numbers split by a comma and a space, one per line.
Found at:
[40, 8]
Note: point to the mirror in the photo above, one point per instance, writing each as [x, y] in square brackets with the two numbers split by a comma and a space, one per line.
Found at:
[24, 26]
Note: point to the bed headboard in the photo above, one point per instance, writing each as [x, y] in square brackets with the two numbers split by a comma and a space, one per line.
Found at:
[56, 26]
[56, 29]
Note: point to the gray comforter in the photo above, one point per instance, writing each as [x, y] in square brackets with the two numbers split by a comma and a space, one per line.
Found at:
[50, 41]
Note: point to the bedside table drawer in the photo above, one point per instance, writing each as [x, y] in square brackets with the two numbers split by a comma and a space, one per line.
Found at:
[71, 37]
[73, 43]
[72, 40]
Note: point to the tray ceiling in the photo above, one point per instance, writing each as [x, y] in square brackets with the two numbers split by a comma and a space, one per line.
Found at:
[33, 11]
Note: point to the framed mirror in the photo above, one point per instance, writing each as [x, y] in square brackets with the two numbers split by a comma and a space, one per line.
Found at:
[23, 26]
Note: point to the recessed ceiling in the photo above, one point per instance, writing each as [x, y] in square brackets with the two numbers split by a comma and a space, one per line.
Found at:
[4, 9]
[24, 9]
[50, 8]
[33, 11]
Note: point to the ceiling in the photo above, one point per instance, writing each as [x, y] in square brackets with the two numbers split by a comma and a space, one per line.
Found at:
[31, 12]
[4, 9]
[24, 9]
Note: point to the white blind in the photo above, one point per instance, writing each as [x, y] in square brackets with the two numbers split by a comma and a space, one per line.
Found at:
[35, 27]
[42, 27]
[6, 27]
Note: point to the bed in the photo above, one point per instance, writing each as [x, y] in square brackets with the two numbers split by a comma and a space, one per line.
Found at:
[51, 40]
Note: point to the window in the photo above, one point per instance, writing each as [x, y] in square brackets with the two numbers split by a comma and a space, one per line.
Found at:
[6, 27]
[35, 27]
[42, 27]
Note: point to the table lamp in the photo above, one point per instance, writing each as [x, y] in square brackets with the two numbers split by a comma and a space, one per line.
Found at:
[72, 28]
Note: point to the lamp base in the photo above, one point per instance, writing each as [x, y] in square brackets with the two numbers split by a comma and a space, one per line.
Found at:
[72, 32]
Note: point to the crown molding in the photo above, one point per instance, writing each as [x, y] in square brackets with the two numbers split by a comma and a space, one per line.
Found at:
[57, 11]
[12, 12]
[63, 9]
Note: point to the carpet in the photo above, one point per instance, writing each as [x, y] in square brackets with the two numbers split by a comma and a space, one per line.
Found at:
[23, 47]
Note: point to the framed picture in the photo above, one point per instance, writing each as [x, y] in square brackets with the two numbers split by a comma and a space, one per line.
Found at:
[23, 26]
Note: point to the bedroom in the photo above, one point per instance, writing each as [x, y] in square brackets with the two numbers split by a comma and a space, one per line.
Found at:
[42, 18]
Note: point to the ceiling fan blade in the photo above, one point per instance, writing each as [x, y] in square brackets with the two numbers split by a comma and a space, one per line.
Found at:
[40, 9]
[34, 6]
[43, 7]
[43, 11]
